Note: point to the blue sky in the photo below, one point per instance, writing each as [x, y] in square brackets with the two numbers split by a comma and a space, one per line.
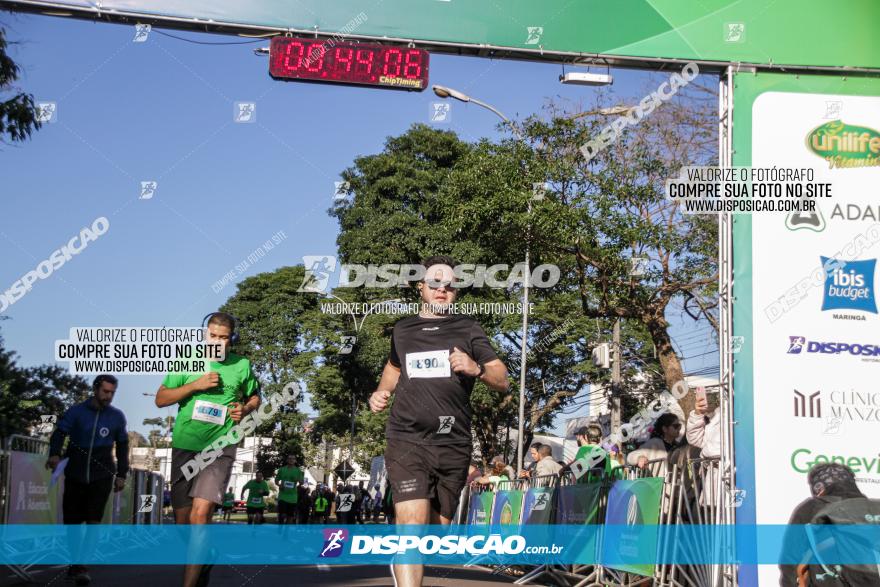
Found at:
[163, 111]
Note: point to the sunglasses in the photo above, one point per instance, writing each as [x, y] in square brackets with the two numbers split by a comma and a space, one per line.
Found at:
[433, 284]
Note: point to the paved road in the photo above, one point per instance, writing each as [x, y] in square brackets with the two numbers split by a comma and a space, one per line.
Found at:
[270, 575]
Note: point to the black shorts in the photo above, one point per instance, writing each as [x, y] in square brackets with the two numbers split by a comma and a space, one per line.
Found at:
[422, 471]
[85, 502]
[285, 508]
[251, 511]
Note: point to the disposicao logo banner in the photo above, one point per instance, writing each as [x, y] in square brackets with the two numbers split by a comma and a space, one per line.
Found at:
[621, 545]
[845, 145]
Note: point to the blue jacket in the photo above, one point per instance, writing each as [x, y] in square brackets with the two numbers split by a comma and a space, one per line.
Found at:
[92, 433]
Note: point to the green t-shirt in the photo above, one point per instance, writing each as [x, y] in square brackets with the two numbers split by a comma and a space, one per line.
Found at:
[287, 480]
[228, 499]
[585, 452]
[321, 504]
[257, 490]
[196, 431]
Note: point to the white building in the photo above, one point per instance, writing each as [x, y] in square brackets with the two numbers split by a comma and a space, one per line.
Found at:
[158, 460]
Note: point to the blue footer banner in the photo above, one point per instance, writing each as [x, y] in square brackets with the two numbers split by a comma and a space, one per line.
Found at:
[24, 544]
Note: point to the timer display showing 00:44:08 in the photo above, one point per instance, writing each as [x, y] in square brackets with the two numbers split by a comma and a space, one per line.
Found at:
[386, 66]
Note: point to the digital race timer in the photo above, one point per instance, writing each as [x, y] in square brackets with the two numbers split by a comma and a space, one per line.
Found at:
[386, 66]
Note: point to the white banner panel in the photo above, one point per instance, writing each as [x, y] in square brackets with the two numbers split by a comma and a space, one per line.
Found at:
[816, 327]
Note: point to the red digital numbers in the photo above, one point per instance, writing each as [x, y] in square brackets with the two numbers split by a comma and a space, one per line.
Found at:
[377, 65]
[344, 58]
[365, 61]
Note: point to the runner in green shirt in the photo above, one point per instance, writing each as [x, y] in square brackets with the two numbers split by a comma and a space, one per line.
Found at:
[287, 479]
[322, 506]
[257, 490]
[210, 404]
[228, 504]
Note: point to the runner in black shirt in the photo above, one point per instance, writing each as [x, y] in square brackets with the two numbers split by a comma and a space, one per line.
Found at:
[435, 359]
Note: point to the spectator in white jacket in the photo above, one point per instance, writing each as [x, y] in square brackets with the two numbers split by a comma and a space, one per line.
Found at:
[704, 429]
[663, 440]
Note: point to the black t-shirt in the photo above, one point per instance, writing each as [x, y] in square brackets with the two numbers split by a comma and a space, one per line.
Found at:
[432, 402]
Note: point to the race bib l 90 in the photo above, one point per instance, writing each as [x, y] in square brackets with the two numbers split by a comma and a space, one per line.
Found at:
[428, 364]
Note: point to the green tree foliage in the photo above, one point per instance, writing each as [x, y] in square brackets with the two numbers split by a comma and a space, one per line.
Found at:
[28, 393]
[136, 439]
[597, 217]
[18, 113]
[275, 329]
[429, 193]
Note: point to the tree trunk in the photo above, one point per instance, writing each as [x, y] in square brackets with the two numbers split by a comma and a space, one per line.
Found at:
[669, 361]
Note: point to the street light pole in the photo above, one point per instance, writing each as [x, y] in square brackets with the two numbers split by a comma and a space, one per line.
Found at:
[444, 92]
[615, 378]
[523, 353]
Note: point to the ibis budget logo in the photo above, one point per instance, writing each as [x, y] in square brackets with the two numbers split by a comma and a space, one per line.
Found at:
[849, 285]
[845, 145]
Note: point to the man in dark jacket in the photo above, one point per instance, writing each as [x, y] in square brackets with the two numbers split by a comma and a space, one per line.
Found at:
[93, 427]
[830, 484]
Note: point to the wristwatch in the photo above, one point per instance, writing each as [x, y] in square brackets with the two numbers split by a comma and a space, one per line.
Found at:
[482, 370]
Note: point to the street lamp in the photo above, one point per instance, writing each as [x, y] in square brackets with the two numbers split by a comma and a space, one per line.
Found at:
[444, 92]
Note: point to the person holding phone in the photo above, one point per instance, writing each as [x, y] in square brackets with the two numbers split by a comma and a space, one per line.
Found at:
[704, 426]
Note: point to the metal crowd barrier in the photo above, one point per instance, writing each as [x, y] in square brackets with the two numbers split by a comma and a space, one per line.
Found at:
[690, 492]
[19, 453]
[696, 490]
[23, 465]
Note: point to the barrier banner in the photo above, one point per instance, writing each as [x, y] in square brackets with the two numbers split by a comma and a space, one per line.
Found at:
[120, 506]
[31, 500]
[632, 504]
[507, 510]
[155, 516]
[480, 508]
[538, 505]
[579, 505]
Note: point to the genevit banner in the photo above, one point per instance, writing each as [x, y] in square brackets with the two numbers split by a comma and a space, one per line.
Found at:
[805, 291]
